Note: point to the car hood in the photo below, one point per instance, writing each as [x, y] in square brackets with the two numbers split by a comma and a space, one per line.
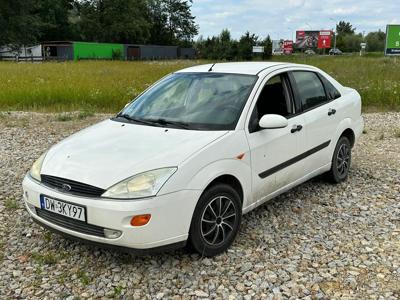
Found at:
[109, 152]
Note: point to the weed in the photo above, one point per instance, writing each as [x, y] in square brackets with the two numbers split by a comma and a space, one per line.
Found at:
[11, 204]
[83, 277]
[85, 114]
[117, 291]
[64, 117]
[48, 258]
[397, 133]
[47, 236]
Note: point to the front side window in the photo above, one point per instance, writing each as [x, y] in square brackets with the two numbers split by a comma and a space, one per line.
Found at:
[309, 88]
[199, 101]
[275, 98]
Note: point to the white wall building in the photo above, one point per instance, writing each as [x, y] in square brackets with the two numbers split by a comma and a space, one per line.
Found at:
[7, 53]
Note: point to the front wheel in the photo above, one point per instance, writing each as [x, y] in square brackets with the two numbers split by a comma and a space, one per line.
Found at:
[216, 220]
[341, 161]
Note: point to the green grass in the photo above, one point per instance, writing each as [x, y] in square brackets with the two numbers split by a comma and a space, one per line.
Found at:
[64, 117]
[11, 204]
[83, 277]
[376, 78]
[106, 86]
[90, 86]
[48, 258]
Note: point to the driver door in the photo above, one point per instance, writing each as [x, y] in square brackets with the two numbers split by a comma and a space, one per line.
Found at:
[273, 150]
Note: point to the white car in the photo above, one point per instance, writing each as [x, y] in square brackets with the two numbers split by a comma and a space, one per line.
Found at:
[193, 153]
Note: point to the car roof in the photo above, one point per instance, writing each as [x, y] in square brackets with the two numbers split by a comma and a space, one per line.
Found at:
[248, 68]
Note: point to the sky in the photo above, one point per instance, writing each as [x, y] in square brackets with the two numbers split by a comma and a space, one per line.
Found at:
[282, 18]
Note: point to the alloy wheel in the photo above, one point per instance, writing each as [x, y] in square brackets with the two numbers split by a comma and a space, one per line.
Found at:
[343, 160]
[217, 221]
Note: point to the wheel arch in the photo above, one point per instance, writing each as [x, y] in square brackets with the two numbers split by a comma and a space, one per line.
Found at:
[230, 180]
[349, 133]
[236, 173]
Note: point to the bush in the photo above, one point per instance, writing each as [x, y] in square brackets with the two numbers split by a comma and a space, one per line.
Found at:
[116, 54]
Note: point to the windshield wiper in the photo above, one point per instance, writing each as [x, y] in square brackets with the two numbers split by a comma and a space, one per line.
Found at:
[129, 118]
[178, 124]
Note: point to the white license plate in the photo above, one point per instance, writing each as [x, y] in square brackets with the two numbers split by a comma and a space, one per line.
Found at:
[63, 208]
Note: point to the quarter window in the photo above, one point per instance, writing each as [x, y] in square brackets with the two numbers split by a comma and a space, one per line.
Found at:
[310, 89]
[331, 91]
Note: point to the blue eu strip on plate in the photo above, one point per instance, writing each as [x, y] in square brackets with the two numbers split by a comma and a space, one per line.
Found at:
[42, 202]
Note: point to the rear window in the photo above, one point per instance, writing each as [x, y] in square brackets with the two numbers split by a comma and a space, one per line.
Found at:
[310, 89]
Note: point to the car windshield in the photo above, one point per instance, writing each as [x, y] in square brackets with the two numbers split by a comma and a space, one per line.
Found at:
[199, 101]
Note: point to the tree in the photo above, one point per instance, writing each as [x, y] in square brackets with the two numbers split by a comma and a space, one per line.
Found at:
[376, 41]
[19, 23]
[54, 19]
[245, 46]
[226, 49]
[267, 43]
[351, 42]
[158, 18]
[180, 21]
[171, 22]
[344, 28]
[119, 21]
[346, 39]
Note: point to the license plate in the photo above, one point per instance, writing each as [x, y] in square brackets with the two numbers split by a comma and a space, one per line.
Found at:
[63, 208]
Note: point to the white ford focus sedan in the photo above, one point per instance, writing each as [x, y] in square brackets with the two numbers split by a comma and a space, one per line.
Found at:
[187, 158]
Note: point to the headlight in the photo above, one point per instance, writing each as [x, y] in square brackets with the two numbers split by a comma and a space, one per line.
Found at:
[37, 167]
[146, 184]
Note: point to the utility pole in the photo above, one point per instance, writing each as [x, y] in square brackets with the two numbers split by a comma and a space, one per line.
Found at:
[334, 45]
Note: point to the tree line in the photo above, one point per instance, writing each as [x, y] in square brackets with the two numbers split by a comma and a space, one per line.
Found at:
[224, 47]
[163, 22]
[349, 41]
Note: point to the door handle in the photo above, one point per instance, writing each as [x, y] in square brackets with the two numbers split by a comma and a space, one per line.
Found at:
[296, 128]
[331, 111]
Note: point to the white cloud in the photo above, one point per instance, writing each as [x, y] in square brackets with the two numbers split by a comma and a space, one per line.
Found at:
[344, 11]
[281, 18]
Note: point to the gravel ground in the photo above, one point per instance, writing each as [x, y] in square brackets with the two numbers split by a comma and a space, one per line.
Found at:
[318, 241]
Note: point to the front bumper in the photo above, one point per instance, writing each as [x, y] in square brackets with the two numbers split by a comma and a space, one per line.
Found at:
[171, 216]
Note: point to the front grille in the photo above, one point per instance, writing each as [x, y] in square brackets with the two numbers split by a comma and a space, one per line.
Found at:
[76, 188]
[69, 223]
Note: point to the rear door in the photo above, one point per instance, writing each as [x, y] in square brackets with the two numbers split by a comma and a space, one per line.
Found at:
[320, 117]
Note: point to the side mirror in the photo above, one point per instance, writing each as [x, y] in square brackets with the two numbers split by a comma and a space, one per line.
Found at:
[273, 122]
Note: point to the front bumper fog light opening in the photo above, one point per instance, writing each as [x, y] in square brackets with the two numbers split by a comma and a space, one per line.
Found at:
[112, 234]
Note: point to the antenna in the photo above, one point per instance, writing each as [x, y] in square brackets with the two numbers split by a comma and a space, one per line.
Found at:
[212, 67]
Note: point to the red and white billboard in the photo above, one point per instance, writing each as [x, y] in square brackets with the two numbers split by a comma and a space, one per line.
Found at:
[324, 39]
[287, 47]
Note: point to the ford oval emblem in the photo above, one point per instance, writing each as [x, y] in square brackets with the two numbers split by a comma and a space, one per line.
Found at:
[66, 187]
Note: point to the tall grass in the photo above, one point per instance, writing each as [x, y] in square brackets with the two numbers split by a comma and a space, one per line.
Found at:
[377, 79]
[106, 86]
[100, 86]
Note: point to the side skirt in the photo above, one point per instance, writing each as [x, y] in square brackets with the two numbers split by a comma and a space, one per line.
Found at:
[287, 187]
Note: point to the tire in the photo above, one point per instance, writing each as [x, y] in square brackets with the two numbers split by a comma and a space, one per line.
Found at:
[341, 161]
[216, 220]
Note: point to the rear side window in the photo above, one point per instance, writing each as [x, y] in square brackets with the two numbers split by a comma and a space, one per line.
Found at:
[309, 89]
[331, 92]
